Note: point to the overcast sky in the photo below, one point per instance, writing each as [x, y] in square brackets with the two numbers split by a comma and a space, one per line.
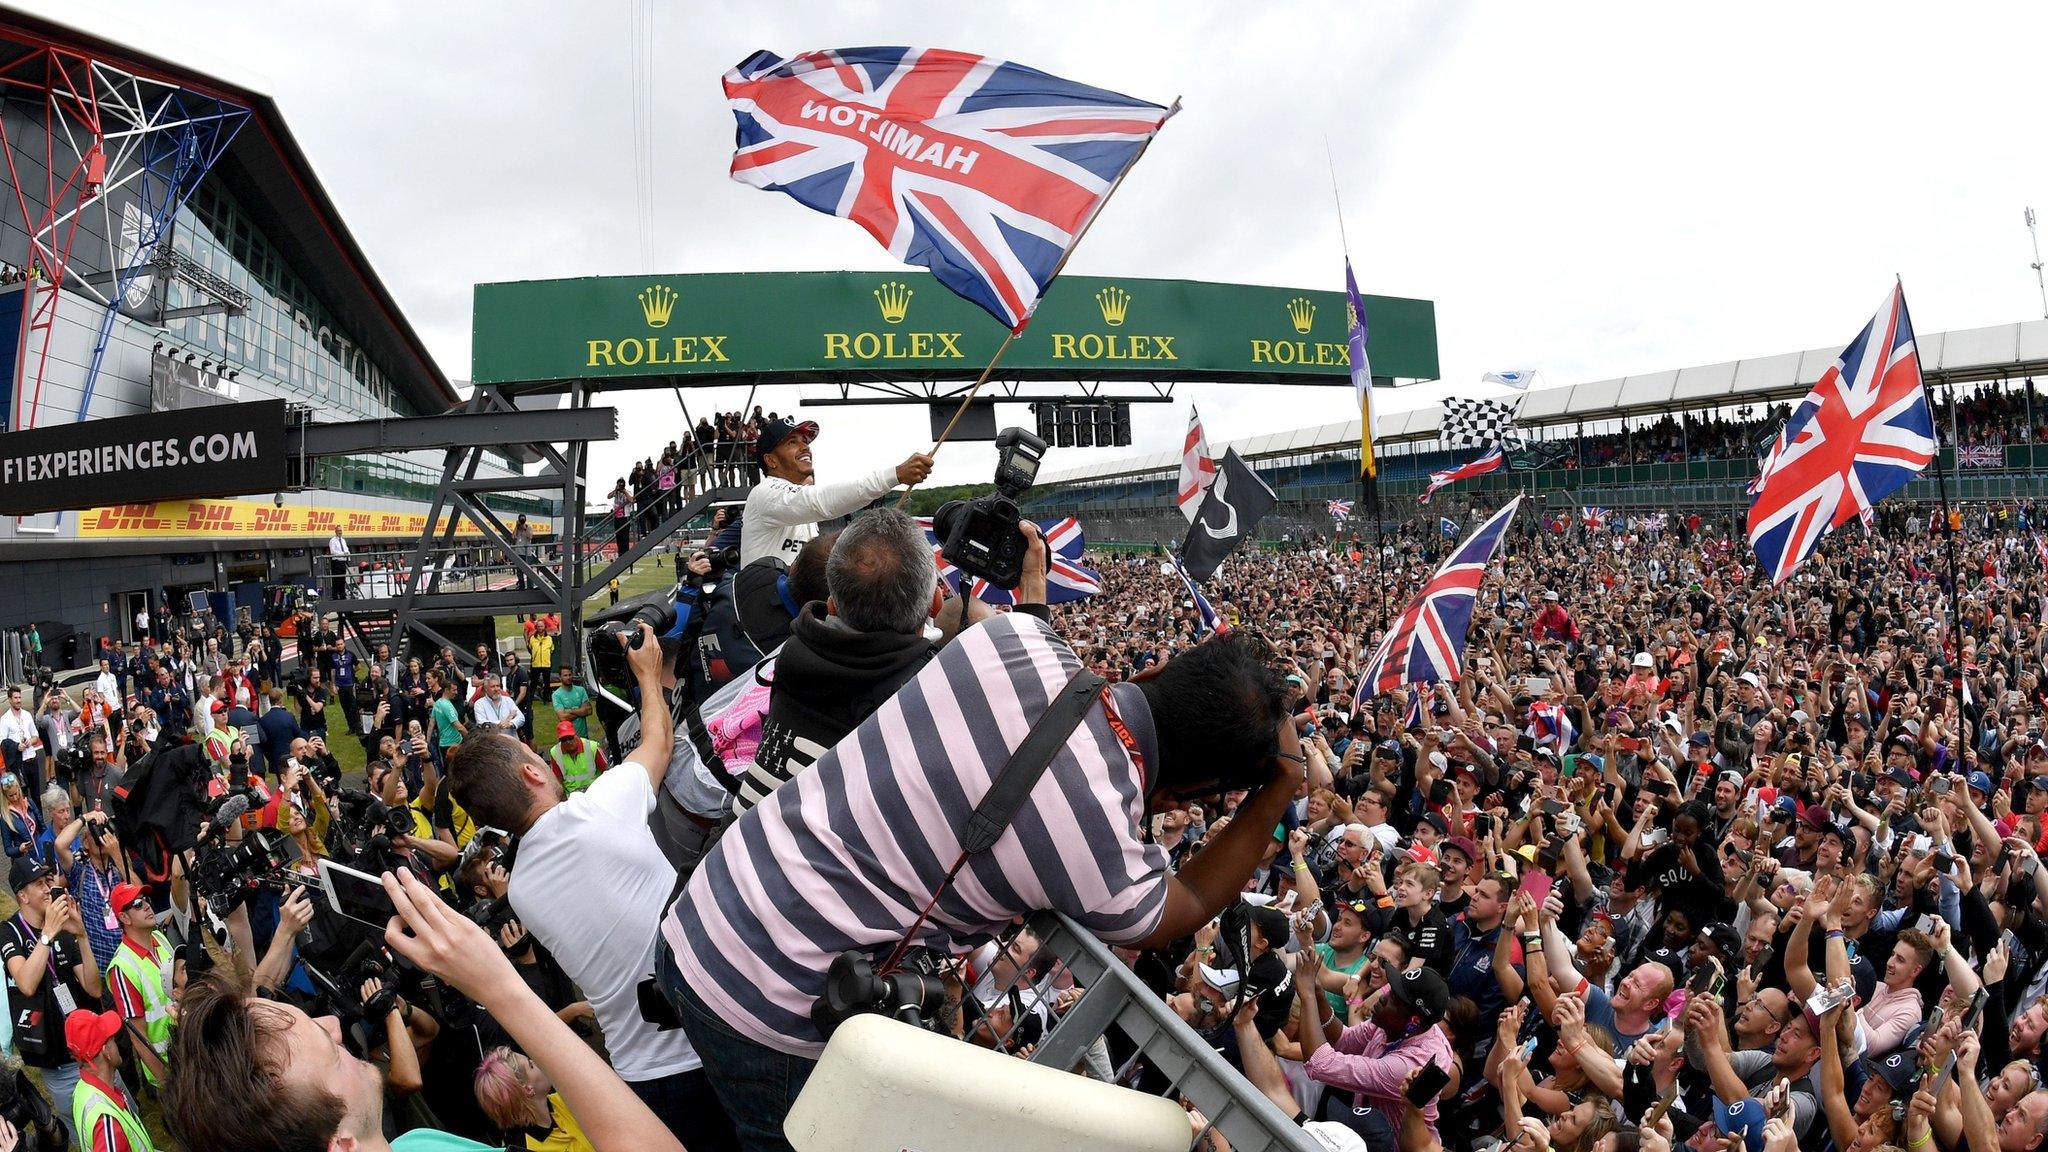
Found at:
[1591, 190]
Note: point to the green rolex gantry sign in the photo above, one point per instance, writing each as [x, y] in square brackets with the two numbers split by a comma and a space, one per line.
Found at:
[798, 327]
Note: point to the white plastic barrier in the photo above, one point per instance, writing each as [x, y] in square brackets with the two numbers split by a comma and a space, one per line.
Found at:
[884, 1084]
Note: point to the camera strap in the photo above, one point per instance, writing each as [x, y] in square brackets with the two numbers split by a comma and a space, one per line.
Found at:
[1010, 788]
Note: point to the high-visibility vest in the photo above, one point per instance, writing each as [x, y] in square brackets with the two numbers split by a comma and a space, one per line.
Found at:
[577, 771]
[151, 976]
[88, 1104]
[220, 742]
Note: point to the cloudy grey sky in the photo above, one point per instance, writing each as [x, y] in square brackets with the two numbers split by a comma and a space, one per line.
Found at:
[1588, 189]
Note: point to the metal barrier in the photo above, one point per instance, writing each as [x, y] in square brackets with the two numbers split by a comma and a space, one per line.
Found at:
[1114, 998]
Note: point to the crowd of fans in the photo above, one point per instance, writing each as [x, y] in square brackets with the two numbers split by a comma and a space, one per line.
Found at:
[1679, 858]
[717, 453]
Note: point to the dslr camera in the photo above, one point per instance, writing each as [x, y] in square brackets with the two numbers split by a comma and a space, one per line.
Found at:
[981, 536]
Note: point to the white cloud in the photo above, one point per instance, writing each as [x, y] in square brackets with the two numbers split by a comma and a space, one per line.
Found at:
[1592, 189]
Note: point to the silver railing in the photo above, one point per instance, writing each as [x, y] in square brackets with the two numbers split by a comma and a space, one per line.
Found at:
[1113, 998]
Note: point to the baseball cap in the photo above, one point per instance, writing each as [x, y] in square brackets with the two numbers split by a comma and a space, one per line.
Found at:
[26, 871]
[1424, 992]
[1744, 1118]
[1332, 1136]
[1644, 660]
[1465, 845]
[1551, 596]
[782, 428]
[565, 728]
[219, 706]
[1897, 1070]
[1816, 817]
[87, 1031]
[125, 895]
[1980, 781]
[1272, 924]
[1222, 980]
[1391, 749]
[1700, 740]
[1751, 679]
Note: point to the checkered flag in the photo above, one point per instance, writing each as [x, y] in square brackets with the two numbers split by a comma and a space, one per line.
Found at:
[1476, 423]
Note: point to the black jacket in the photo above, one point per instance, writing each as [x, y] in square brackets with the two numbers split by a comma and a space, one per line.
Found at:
[828, 678]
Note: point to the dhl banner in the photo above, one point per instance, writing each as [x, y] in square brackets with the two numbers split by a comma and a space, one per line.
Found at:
[239, 518]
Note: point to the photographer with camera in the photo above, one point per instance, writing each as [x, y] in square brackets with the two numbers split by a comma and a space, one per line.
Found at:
[590, 885]
[848, 655]
[261, 1076]
[747, 969]
[92, 875]
[784, 509]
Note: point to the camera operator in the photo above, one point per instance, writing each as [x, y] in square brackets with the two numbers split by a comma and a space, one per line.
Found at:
[746, 967]
[485, 878]
[261, 1076]
[590, 885]
[52, 970]
[846, 656]
[783, 510]
[91, 877]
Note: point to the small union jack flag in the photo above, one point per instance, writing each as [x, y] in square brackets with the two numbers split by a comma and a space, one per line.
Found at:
[1426, 643]
[1066, 578]
[1594, 516]
[1550, 723]
[981, 170]
[1860, 435]
[1340, 510]
[1490, 462]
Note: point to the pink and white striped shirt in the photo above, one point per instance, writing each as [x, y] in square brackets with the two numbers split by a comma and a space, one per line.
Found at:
[846, 854]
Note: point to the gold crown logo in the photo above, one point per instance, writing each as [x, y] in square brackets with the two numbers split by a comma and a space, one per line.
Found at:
[656, 304]
[1115, 303]
[1302, 311]
[895, 301]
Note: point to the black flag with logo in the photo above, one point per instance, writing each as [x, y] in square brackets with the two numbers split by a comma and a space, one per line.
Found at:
[1235, 504]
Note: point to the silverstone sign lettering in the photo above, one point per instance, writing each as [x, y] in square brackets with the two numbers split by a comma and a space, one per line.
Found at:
[220, 450]
[797, 327]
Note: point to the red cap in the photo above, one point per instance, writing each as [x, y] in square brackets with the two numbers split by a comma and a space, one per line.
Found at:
[86, 1031]
[125, 895]
[219, 706]
[565, 728]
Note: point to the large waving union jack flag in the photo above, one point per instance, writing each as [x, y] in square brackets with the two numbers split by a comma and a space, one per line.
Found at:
[1863, 431]
[981, 170]
[1066, 578]
[1426, 643]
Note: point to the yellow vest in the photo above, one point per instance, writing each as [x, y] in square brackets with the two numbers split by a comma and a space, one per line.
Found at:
[151, 977]
[89, 1104]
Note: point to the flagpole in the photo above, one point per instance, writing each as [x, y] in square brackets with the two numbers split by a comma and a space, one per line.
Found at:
[1369, 493]
[1948, 526]
[968, 400]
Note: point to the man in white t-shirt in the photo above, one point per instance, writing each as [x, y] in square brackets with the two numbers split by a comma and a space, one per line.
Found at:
[783, 510]
[591, 885]
[18, 725]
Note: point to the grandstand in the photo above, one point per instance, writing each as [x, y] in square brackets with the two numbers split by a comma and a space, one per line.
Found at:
[1678, 439]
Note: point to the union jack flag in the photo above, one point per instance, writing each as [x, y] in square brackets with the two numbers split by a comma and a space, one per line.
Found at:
[1340, 510]
[1490, 462]
[1066, 578]
[1594, 516]
[981, 170]
[1550, 723]
[1211, 621]
[2041, 551]
[1412, 719]
[1863, 431]
[1426, 643]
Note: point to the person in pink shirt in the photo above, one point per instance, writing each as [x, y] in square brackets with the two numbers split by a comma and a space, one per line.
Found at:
[1373, 1060]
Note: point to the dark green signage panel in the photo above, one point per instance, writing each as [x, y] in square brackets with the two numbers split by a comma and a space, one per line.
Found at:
[799, 327]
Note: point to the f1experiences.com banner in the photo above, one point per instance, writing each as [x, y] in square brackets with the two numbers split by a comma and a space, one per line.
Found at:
[221, 450]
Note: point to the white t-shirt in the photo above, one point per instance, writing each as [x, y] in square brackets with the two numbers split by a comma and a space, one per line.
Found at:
[591, 886]
[781, 516]
[17, 725]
